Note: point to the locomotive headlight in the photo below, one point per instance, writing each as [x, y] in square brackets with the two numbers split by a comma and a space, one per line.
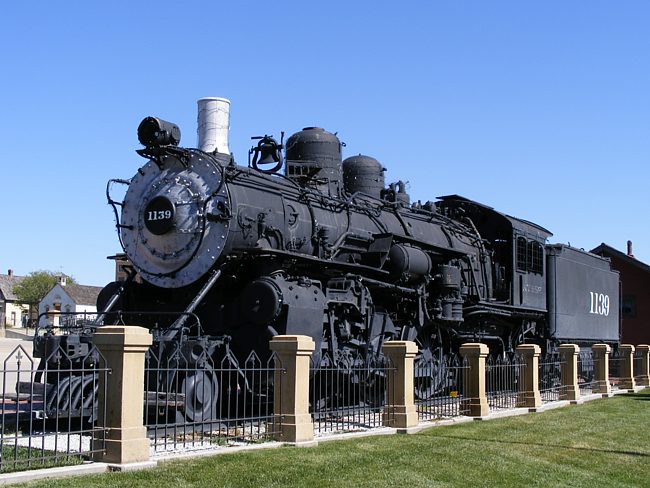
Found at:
[153, 131]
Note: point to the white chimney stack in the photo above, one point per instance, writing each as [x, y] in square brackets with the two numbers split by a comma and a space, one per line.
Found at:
[213, 124]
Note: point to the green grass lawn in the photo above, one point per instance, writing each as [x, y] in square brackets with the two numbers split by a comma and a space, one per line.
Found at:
[24, 459]
[601, 443]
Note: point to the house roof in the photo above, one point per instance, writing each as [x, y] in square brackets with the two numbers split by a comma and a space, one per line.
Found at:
[607, 250]
[7, 284]
[83, 294]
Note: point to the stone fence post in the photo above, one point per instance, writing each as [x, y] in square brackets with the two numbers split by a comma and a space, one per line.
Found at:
[626, 352]
[600, 354]
[529, 395]
[475, 399]
[121, 392]
[643, 378]
[400, 411]
[291, 384]
[569, 371]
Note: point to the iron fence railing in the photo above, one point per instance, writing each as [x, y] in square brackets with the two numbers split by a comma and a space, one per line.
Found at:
[587, 367]
[503, 374]
[440, 386]
[637, 366]
[194, 401]
[49, 412]
[550, 377]
[65, 323]
[615, 369]
[350, 393]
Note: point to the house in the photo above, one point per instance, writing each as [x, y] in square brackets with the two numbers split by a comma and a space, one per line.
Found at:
[635, 293]
[73, 301]
[13, 313]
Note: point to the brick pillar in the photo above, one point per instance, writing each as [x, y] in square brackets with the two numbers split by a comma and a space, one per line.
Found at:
[529, 395]
[475, 402]
[643, 378]
[124, 348]
[601, 368]
[291, 385]
[569, 369]
[626, 352]
[400, 409]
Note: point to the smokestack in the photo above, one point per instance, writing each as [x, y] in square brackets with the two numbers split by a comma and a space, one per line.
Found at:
[213, 124]
[10, 273]
[629, 249]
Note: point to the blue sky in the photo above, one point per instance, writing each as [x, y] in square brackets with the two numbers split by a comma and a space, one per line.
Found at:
[539, 109]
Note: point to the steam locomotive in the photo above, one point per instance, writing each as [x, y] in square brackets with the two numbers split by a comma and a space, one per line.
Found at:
[227, 255]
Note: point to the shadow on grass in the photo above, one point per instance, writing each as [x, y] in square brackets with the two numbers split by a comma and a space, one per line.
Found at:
[547, 446]
[639, 396]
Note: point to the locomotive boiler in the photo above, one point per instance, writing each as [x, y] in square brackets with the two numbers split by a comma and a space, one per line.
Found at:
[300, 241]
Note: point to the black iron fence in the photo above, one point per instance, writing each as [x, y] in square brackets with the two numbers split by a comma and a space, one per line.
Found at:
[587, 367]
[503, 374]
[193, 401]
[550, 377]
[349, 394]
[637, 366]
[440, 386]
[65, 323]
[616, 362]
[49, 412]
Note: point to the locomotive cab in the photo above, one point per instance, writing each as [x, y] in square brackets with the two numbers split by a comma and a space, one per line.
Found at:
[517, 246]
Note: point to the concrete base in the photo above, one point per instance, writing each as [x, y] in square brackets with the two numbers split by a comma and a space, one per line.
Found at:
[302, 444]
[550, 406]
[124, 452]
[296, 429]
[437, 423]
[355, 435]
[570, 393]
[401, 417]
[409, 430]
[529, 399]
[476, 407]
[47, 473]
[132, 466]
[503, 414]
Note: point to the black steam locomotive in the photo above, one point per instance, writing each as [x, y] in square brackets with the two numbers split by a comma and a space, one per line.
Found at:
[326, 249]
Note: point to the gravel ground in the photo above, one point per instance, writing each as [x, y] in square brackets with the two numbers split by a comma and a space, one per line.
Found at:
[73, 443]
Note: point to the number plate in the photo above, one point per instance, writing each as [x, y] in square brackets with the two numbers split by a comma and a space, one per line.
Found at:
[159, 215]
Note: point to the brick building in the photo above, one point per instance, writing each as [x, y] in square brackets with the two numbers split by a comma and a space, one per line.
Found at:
[635, 293]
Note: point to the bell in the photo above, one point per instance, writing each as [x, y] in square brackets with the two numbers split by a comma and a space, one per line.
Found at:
[268, 154]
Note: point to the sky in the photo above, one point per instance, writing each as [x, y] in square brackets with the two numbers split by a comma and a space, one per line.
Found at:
[538, 109]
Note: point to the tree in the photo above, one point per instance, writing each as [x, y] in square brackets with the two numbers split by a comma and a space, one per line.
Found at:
[33, 287]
